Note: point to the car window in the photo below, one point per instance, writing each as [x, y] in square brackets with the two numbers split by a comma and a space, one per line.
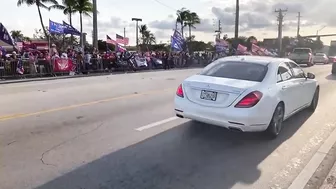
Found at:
[284, 73]
[236, 70]
[297, 70]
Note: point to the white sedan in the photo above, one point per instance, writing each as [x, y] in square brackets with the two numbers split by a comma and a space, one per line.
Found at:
[320, 58]
[247, 93]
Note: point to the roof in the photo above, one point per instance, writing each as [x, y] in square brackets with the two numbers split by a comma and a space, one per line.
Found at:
[255, 59]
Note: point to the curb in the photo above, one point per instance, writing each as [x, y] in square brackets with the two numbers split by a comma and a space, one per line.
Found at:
[88, 75]
[48, 78]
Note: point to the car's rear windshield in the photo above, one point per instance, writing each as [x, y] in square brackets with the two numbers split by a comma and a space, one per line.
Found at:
[236, 70]
[319, 54]
[301, 51]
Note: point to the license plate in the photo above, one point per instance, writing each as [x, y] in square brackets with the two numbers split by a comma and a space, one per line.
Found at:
[208, 95]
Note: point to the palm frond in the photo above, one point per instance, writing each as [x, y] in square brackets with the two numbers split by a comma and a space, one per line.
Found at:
[59, 7]
[27, 2]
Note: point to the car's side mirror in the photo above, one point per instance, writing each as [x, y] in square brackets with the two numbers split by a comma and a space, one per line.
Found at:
[310, 75]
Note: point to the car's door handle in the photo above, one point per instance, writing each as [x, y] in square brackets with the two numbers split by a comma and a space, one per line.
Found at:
[284, 87]
[301, 83]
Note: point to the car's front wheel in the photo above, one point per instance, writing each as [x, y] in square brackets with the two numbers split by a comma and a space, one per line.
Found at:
[275, 125]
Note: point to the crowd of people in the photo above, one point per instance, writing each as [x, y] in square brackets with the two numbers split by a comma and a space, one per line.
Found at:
[89, 60]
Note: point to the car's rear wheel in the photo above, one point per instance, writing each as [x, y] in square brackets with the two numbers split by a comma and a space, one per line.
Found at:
[315, 99]
[275, 126]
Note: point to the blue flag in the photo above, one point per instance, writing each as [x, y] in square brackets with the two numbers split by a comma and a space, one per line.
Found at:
[68, 29]
[175, 44]
[5, 38]
[55, 27]
[178, 37]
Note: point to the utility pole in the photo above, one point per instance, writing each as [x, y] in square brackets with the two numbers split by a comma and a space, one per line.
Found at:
[280, 19]
[299, 23]
[219, 30]
[95, 25]
[137, 29]
[237, 20]
[124, 32]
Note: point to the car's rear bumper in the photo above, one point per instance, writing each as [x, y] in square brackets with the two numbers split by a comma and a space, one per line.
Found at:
[243, 119]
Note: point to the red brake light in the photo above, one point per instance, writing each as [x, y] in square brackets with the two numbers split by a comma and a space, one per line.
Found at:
[249, 100]
[179, 91]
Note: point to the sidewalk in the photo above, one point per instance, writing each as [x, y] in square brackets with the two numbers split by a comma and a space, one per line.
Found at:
[325, 175]
[330, 181]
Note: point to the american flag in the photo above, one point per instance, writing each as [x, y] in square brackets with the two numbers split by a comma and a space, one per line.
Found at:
[110, 41]
[122, 40]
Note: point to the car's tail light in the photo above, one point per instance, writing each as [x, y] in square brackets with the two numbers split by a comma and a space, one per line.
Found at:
[249, 100]
[179, 91]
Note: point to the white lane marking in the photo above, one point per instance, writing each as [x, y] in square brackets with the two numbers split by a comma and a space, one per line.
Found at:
[307, 172]
[155, 124]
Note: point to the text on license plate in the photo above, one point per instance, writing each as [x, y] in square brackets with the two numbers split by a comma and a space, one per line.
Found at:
[208, 95]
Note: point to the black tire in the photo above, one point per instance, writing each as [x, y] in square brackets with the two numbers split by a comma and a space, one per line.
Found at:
[333, 69]
[315, 100]
[275, 126]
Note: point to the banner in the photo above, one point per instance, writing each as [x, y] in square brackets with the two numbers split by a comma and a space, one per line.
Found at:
[63, 65]
[221, 45]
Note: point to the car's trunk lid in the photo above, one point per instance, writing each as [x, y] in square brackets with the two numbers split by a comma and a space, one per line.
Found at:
[215, 91]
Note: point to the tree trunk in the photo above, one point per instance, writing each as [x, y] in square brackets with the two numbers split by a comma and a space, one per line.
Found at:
[41, 20]
[81, 30]
[70, 22]
[182, 30]
[189, 32]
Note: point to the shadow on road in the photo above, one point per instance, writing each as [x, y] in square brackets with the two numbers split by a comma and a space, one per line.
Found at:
[191, 155]
[331, 77]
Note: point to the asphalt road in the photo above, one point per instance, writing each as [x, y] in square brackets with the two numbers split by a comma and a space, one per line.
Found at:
[120, 132]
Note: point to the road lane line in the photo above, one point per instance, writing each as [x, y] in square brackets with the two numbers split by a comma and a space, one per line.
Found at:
[307, 172]
[155, 124]
[21, 115]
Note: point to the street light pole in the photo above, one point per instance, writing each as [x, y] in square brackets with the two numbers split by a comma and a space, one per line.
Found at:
[317, 31]
[137, 29]
[95, 25]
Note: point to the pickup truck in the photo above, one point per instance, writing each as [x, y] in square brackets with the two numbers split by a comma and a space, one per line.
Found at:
[302, 56]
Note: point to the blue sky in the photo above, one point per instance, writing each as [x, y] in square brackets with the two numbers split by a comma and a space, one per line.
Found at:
[257, 17]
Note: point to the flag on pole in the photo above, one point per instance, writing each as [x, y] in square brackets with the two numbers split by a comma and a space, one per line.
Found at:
[55, 27]
[122, 40]
[110, 41]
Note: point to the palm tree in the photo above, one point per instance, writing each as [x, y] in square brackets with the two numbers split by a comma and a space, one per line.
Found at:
[192, 19]
[16, 34]
[143, 29]
[84, 7]
[67, 7]
[150, 38]
[182, 17]
[39, 4]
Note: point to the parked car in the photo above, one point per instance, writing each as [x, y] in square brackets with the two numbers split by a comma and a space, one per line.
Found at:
[247, 93]
[321, 58]
[332, 59]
